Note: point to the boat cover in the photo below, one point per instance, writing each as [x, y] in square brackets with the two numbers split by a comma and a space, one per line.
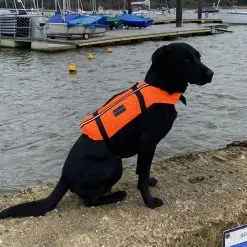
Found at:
[135, 21]
[59, 18]
[92, 20]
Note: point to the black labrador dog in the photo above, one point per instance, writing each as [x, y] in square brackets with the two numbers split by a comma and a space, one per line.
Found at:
[94, 165]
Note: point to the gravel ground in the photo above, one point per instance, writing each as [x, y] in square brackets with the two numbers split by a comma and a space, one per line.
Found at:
[205, 194]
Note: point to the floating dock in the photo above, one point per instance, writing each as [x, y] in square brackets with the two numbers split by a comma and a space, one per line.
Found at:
[198, 21]
[161, 32]
[152, 33]
[30, 32]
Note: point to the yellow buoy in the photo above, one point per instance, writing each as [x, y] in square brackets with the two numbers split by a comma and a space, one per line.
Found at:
[72, 68]
[90, 55]
[109, 49]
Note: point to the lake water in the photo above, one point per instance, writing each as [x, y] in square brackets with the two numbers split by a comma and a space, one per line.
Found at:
[41, 104]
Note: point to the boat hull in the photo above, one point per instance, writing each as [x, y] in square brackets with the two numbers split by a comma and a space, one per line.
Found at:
[233, 17]
[62, 29]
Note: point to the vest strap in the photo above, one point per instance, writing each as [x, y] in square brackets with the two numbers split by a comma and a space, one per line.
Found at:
[139, 97]
[99, 123]
[100, 126]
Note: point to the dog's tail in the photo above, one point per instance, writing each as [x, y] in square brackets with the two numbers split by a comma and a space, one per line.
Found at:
[37, 208]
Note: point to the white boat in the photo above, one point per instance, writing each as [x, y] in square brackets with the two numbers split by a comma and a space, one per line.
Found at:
[233, 17]
[143, 8]
[62, 30]
[83, 26]
[141, 4]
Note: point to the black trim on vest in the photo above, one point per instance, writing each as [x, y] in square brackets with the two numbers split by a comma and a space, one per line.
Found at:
[99, 122]
[101, 126]
[139, 97]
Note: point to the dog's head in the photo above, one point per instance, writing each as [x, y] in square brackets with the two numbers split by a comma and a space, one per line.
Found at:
[175, 65]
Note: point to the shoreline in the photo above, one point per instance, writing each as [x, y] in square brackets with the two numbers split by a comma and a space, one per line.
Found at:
[205, 194]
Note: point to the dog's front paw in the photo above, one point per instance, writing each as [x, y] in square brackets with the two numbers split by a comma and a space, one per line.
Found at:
[152, 181]
[155, 202]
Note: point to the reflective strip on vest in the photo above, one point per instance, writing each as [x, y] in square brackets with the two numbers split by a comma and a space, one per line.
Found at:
[123, 108]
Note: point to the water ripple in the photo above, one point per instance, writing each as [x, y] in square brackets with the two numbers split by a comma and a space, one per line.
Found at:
[41, 104]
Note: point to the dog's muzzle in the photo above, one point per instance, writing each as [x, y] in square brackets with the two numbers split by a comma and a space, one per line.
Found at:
[209, 75]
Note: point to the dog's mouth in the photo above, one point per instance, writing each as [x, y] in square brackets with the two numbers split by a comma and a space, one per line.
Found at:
[204, 78]
[208, 80]
[202, 81]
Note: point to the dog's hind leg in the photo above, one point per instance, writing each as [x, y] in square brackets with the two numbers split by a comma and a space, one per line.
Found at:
[106, 199]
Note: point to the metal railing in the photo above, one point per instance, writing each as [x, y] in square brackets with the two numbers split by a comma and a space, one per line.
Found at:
[15, 26]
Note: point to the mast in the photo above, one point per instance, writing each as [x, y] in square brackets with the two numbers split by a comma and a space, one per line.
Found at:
[94, 6]
[217, 6]
[15, 4]
[64, 5]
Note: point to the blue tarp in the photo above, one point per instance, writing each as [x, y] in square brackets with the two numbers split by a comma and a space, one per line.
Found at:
[72, 16]
[97, 21]
[103, 19]
[59, 18]
[135, 21]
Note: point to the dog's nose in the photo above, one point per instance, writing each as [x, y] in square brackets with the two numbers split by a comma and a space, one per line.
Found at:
[210, 73]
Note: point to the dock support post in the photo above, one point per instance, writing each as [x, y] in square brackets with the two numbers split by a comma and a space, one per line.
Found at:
[199, 12]
[179, 15]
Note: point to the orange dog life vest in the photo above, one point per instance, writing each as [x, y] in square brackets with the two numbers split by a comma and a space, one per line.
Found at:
[123, 108]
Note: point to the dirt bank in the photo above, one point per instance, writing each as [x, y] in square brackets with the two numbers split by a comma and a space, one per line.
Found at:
[205, 194]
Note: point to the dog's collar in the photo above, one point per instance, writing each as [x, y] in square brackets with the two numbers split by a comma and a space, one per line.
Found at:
[183, 99]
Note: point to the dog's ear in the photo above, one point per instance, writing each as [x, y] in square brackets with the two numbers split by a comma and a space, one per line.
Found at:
[158, 55]
[166, 71]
